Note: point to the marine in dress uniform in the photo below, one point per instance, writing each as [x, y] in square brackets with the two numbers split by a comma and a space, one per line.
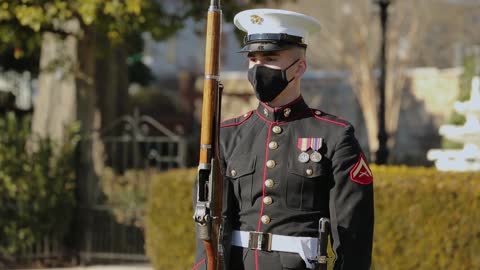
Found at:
[286, 165]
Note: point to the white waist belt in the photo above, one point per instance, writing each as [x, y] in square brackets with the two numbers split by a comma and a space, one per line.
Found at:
[306, 247]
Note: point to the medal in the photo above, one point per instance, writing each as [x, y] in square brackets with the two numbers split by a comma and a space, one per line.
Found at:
[304, 144]
[316, 156]
[303, 157]
[316, 144]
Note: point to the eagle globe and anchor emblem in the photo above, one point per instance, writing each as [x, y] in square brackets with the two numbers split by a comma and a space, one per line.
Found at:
[255, 19]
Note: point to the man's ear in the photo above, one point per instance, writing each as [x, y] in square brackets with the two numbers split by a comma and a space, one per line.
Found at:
[301, 68]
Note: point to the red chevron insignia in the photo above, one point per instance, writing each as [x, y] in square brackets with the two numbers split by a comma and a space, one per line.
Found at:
[361, 173]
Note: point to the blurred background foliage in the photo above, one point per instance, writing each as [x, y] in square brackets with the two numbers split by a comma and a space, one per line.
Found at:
[117, 19]
[126, 194]
[37, 184]
[103, 46]
[122, 22]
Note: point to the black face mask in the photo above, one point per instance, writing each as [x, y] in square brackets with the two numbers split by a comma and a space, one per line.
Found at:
[268, 82]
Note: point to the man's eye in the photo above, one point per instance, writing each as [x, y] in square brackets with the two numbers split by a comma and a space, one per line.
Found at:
[269, 59]
[253, 59]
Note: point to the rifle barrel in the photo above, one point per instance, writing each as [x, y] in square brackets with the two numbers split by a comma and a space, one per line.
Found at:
[215, 3]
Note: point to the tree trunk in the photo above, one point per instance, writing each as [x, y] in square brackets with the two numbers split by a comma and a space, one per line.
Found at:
[90, 160]
[364, 86]
[55, 105]
[90, 154]
[112, 82]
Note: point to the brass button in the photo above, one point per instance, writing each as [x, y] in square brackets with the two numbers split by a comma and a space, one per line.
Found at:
[277, 129]
[267, 200]
[273, 145]
[287, 112]
[271, 164]
[245, 115]
[269, 183]
[265, 111]
[309, 172]
[265, 219]
[233, 172]
[318, 112]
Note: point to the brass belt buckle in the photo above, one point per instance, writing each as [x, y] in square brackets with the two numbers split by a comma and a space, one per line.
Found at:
[260, 241]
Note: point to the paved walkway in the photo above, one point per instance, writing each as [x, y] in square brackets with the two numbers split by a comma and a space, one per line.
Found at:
[103, 267]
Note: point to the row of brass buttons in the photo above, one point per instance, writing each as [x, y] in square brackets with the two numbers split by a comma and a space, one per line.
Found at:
[271, 164]
[267, 200]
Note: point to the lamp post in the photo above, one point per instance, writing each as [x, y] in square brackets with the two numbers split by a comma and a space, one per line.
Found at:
[382, 152]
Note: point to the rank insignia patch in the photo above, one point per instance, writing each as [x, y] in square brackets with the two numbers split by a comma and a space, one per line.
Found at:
[361, 173]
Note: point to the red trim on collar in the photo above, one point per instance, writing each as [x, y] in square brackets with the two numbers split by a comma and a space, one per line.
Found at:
[273, 109]
[281, 122]
[236, 124]
[327, 120]
[199, 263]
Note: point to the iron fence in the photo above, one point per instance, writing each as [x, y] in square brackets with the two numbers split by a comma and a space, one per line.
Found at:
[131, 143]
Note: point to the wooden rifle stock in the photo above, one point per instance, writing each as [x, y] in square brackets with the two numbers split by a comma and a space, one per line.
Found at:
[208, 210]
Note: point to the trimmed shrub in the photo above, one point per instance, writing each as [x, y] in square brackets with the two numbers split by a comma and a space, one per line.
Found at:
[424, 219]
[36, 187]
[169, 227]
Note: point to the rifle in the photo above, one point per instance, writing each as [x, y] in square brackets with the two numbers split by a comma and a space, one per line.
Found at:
[323, 232]
[208, 209]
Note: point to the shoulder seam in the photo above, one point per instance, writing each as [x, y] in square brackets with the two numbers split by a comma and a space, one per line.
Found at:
[328, 120]
[239, 123]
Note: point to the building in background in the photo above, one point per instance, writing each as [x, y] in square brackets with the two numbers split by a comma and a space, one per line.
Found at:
[17, 91]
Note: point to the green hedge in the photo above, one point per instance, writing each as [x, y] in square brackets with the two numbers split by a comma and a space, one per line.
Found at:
[424, 220]
[169, 227]
[36, 187]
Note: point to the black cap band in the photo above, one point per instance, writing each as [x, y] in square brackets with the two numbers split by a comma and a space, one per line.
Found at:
[275, 38]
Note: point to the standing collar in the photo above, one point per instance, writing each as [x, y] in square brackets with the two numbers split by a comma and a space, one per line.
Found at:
[284, 113]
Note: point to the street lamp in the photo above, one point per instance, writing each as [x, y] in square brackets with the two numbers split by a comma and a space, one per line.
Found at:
[381, 156]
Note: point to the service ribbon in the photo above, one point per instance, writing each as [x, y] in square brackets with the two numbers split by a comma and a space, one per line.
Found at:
[304, 144]
[316, 143]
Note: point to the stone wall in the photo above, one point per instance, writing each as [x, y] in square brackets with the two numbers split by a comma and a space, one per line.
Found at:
[437, 89]
[427, 103]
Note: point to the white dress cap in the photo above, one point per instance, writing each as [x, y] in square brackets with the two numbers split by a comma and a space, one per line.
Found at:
[281, 27]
